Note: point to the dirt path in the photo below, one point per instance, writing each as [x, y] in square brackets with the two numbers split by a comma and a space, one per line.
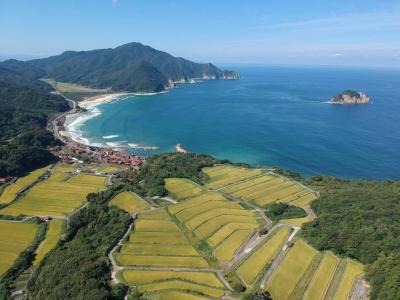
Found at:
[310, 213]
[169, 199]
[248, 248]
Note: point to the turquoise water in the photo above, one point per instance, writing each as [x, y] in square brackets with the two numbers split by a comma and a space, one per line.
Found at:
[272, 116]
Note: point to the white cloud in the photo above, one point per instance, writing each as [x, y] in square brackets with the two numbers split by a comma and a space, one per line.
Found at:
[339, 23]
[114, 1]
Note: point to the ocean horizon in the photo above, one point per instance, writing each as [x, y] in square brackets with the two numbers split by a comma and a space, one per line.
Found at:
[271, 116]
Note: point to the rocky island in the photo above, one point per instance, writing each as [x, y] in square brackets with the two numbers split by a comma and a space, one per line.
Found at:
[350, 97]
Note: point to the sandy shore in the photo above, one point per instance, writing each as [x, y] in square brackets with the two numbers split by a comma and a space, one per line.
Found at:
[97, 100]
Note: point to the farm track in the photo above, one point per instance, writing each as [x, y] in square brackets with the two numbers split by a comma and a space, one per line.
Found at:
[251, 245]
[170, 200]
[114, 266]
[278, 259]
[310, 213]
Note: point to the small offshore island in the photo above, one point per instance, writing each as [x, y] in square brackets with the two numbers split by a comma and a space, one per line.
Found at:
[350, 97]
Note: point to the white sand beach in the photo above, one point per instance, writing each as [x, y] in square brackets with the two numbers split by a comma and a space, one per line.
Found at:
[96, 100]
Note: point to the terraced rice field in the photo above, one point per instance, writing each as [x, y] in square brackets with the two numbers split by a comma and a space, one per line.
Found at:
[225, 225]
[181, 189]
[266, 189]
[157, 241]
[210, 227]
[14, 239]
[53, 235]
[225, 252]
[130, 202]
[61, 172]
[155, 249]
[58, 196]
[161, 261]
[158, 214]
[253, 266]
[224, 175]
[183, 286]
[138, 277]
[220, 235]
[9, 192]
[175, 295]
[290, 271]
[109, 169]
[164, 238]
[193, 202]
[304, 200]
[353, 269]
[319, 284]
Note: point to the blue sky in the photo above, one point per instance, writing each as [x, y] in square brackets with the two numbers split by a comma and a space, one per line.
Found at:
[339, 32]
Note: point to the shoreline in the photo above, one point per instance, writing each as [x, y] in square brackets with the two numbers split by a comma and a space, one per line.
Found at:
[99, 99]
[76, 117]
[85, 110]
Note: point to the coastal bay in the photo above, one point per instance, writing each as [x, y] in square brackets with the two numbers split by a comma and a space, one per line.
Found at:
[272, 116]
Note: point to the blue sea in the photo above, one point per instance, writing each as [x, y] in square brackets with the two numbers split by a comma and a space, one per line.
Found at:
[271, 116]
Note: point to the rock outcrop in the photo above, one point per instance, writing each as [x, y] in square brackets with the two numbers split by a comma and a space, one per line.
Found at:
[350, 97]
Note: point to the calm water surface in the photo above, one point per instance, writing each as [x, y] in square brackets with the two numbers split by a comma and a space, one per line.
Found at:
[272, 116]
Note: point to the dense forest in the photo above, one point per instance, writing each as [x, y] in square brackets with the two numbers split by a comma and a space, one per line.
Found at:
[279, 211]
[360, 219]
[25, 107]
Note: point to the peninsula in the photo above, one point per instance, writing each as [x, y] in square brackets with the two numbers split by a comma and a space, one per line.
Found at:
[350, 97]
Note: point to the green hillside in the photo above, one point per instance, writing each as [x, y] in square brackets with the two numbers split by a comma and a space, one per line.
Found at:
[25, 106]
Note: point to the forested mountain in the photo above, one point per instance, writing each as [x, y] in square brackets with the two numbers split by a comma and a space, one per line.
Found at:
[25, 106]
[131, 67]
[19, 73]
